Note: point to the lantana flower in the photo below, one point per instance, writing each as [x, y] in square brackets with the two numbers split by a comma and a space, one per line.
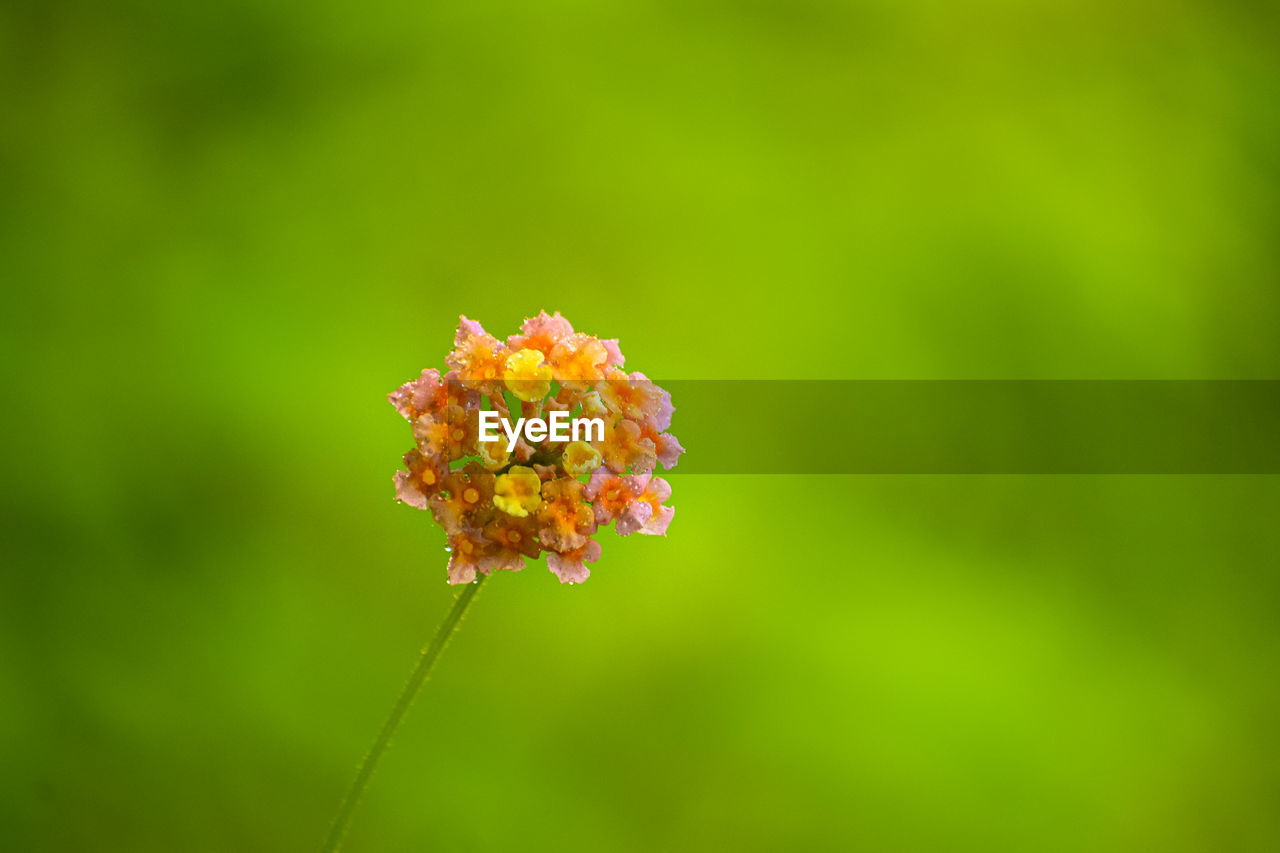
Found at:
[540, 333]
[564, 519]
[580, 458]
[422, 480]
[624, 447]
[579, 361]
[469, 552]
[502, 507]
[527, 375]
[569, 566]
[636, 398]
[450, 433]
[518, 491]
[514, 539]
[666, 446]
[617, 497]
[464, 498]
[655, 494]
[478, 357]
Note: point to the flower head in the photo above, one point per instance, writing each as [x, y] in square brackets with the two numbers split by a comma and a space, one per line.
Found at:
[501, 508]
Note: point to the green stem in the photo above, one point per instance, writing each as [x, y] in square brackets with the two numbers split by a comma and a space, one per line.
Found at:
[420, 673]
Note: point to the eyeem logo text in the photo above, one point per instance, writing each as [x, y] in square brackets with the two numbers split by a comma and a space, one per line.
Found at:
[559, 428]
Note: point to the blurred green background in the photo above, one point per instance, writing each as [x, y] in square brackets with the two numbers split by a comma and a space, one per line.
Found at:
[228, 229]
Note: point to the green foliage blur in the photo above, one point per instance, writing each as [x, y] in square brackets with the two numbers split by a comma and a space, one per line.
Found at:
[228, 229]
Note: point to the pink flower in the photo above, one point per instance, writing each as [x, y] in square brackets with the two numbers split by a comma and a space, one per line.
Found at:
[657, 491]
[515, 540]
[541, 333]
[415, 397]
[578, 361]
[469, 552]
[614, 497]
[478, 357]
[423, 479]
[624, 447]
[637, 398]
[464, 499]
[666, 446]
[660, 417]
[565, 523]
[450, 434]
[429, 394]
[569, 565]
[616, 358]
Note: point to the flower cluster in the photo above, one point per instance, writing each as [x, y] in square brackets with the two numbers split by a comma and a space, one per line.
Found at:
[501, 506]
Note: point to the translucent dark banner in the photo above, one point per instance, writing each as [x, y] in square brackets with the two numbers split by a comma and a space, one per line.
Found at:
[976, 427]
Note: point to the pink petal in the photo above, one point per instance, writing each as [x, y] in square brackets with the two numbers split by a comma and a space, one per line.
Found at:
[636, 483]
[596, 483]
[661, 419]
[466, 329]
[616, 358]
[568, 571]
[571, 570]
[669, 450]
[657, 526]
[659, 490]
[412, 397]
[407, 490]
[504, 561]
[644, 462]
[555, 328]
[633, 518]
[460, 572]
[469, 397]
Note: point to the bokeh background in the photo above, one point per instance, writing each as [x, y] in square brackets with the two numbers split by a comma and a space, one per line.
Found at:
[228, 229]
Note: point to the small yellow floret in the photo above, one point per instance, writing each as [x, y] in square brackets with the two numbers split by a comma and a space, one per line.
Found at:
[580, 458]
[526, 376]
[593, 407]
[493, 454]
[518, 492]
